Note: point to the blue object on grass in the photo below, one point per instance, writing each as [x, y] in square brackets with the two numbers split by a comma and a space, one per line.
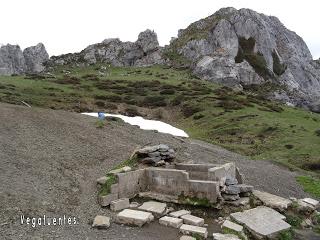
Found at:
[101, 115]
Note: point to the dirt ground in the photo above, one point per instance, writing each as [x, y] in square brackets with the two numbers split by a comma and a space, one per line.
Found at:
[50, 160]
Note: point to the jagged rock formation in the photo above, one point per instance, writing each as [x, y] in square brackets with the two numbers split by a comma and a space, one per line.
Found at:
[14, 61]
[11, 60]
[35, 57]
[144, 52]
[243, 47]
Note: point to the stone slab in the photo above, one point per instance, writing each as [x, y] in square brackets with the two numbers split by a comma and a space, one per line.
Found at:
[187, 238]
[171, 222]
[311, 201]
[220, 236]
[192, 220]
[154, 207]
[134, 217]
[179, 213]
[119, 204]
[272, 201]
[105, 201]
[232, 226]
[261, 221]
[189, 230]
[101, 222]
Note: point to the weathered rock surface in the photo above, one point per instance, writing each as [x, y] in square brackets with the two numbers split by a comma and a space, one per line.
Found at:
[179, 213]
[171, 222]
[101, 222]
[261, 221]
[192, 220]
[272, 201]
[14, 61]
[189, 230]
[35, 57]
[220, 236]
[134, 217]
[144, 52]
[156, 155]
[119, 204]
[154, 207]
[232, 226]
[242, 47]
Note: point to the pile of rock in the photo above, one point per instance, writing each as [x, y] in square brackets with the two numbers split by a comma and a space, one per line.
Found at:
[157, 155]
[232, 190]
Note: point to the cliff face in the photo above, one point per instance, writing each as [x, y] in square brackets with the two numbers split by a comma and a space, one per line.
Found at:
[242, 47]
[144, 52]
[14, 61]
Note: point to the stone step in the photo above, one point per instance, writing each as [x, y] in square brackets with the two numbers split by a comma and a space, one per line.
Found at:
[119, 204]
[179, 213]
[157, 208]
[171, 222]
[190, 230]
[271, 200]
[134, 217]
[192, 220]
[219, 236]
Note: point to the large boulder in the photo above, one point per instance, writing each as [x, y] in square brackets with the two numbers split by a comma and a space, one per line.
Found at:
[11, 60]
[148, 41]
[35, 57]
[243, 47]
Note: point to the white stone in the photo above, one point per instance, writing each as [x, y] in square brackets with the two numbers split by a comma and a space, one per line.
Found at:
[311, 201]
[154, 207]
[134, 217]
[187, 238]
[119, 204]
[101, 222]
[261, 221]
[232, 226]
[179, 213]
[189, 230]
[134, 205]
[219, 236]
[102, 180]
[126, 169]
[271, 200]
[192, 220]
[171, 222]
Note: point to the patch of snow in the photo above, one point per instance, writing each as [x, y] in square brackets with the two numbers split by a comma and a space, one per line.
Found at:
[147, 124]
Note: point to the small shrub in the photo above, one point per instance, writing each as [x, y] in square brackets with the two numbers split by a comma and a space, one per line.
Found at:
[68, 80]
[100, 103]
[167, 92]
[132, 112]
[289, 146]
[100, 123]
[177, 100]
[154, 101]
[110, 106]
[294, 221]
[317, 132]
[188, 110]
[198, 116]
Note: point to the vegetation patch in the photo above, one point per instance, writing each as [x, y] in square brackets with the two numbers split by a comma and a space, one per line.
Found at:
[256, 60]
[310, 185]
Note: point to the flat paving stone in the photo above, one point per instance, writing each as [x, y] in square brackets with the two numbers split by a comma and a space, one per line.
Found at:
[232, 226]
[190, 229]
[154, 207]
[101, 222]
[311, 201]
[192, 220]
[271, 200]
[261, 221]
[179, 213]
[134, 217]
[184, 237]
[119, 204]
[220, 236]
[171, 222]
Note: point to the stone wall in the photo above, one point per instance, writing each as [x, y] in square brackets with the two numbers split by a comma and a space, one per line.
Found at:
[202, 181]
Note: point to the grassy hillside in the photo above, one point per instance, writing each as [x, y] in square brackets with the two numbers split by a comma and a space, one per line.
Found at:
[241, 121]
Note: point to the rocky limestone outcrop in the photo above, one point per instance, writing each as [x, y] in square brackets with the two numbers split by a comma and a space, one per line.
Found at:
[35, 57]
[11, 60]
[144, 52]
[242, 47]
[14, 61]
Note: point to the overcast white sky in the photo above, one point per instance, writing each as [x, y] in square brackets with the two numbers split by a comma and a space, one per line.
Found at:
[70, 25]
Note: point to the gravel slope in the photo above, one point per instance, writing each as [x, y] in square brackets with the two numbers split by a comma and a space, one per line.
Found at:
[49, 161]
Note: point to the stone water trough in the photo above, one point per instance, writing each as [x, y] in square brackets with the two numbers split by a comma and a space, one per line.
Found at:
[179, 181]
